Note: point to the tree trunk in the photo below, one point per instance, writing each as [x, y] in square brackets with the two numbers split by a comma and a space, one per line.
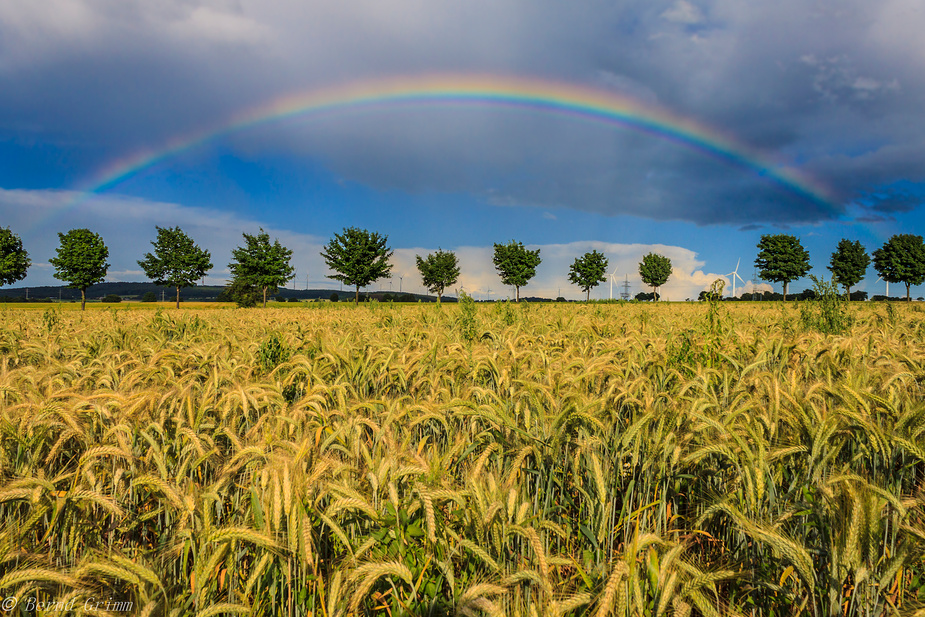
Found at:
[588, 294]
[264, 297]
[356, 300]
[178, 296]
[517, 293]
[848, 290]
[785, 290]
[439, 297]
[83, 300]
[907, 292]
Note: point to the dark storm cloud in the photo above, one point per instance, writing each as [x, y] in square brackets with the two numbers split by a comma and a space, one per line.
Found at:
[893, 202]
[829, 87]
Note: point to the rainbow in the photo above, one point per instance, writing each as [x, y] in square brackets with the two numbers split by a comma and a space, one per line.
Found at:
[493, 91]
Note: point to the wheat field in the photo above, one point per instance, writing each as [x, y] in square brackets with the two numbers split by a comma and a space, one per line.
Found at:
[608, 459]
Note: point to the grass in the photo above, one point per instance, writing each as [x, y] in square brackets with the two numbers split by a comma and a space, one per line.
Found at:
[542, 460]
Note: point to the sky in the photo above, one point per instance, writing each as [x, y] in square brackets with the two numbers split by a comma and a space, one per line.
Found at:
[681, 127]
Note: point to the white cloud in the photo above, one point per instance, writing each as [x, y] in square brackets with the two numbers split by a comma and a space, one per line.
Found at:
[221, 26]
[683, 12]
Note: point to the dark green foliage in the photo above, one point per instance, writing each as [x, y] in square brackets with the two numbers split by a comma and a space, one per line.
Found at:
[781, 259]
[14, 260]
[271, 353]
[655, 270]
[260, 265]
[176, 260]
[718, 322]
[468, 320]
[901, 260]
[506, 312]
[81, 261]
[515, 264]
[334, 297]
[807, 294]
[827, 313]
[112, 298]
[439, 270]
[51, 318]
[849, 263]
[149, 296]
[242, 294]
[293, 299]
[646, 297]
[588, 271]
[358, 257]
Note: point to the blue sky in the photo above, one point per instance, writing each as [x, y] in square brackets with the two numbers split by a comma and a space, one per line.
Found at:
[833, 89]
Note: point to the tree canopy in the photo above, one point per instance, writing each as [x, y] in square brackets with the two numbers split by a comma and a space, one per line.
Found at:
[261, 265]
[901, 260]
[516, 264]
[438, 270]
[655, 270]
[781, 259]
[177, 261]
[81, 261]
[14, 260]
[849, 264]
[588, 271]
[358, 257]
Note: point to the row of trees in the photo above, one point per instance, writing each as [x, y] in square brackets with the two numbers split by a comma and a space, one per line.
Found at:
[358, 257]
[901, 259]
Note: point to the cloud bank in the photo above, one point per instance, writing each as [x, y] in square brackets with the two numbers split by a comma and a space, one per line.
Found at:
[833, 88]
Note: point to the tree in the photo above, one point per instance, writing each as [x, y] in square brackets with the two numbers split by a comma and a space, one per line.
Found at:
[176, 261]
[260, 265]
[439, 270]
[149, 296]
[849, 264]
[14, 260]
[81, 261]
[781, 259]
[588, 271]
[516, 264]
[655, 270]
[901, 260]
[358, 257]
[242, 293]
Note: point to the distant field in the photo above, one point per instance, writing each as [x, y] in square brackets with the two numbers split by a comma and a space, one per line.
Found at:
[540, 459]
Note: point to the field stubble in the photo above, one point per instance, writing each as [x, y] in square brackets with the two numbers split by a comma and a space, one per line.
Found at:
[515, 460]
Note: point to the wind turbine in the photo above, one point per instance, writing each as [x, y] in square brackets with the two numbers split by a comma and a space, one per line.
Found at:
[734, 274]
[612, 279]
